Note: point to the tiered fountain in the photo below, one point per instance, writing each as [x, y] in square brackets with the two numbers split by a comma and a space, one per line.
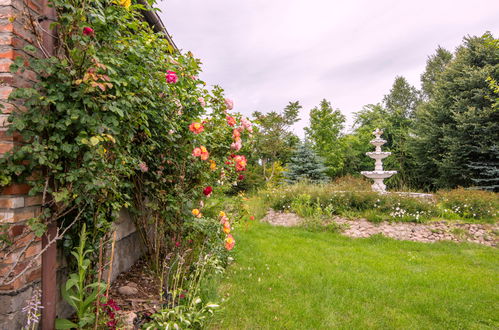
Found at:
[378, 175]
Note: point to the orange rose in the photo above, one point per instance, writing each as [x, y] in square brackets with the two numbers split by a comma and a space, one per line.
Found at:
[226, 227]
[213, 165]
[204, 153]
[231, 121]
[196, 128]
[230, 242]
[236, 135]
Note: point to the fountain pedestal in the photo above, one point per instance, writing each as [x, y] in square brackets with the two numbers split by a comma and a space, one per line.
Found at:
[378, 175]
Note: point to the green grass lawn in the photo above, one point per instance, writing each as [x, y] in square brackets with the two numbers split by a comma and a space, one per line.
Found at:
[289, 278]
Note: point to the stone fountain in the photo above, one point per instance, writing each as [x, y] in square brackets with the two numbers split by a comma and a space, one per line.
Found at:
[378, 175]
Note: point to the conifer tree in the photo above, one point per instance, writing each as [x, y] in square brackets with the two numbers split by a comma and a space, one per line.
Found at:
[306, 165]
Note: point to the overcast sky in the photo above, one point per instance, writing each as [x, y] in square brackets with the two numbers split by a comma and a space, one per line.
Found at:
[265, 53]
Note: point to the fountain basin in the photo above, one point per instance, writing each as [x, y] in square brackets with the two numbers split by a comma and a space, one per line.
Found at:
[378, 174]
[377, 142]
[378, 154]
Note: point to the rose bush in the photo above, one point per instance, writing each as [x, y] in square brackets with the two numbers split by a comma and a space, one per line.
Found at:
[117, 119]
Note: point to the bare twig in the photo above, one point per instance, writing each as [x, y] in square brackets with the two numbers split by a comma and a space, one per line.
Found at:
[59, 235]
[110, 270]
[45, 188]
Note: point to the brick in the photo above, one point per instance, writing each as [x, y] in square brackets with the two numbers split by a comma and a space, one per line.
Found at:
[26, 239]
[20, 267]
[25, 214]
[16, 285]
[7, 27]
[33, 201]
[16, 189]
[17, 230]
[7, 202]
[6, 108]
[17, 215]
[6, 216]
[4, 120]
[4, 269]
[14, 80]
[7, 78]
[5, 66]
[11, 257]
[5, 39]
[5, 147]
[5, 136]
[33, 250]
[34, 5]
[10, 54]
[18, 43]
[5, 92]
[34, 275]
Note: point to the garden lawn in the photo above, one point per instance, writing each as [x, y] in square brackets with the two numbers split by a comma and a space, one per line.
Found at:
[290, 278]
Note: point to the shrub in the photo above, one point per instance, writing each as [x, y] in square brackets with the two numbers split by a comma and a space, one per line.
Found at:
[469, 204]
[324, 200]
[344, 197]
[351, 183]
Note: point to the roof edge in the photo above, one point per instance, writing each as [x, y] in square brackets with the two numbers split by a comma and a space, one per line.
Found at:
[153, 19]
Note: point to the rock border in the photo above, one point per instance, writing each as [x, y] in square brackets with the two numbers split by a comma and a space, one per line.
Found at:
[485, 234]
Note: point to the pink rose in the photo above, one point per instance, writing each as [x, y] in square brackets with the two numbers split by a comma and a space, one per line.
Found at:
[201, 101]
[236, 145]
[229, 104]
[143, 167]
[196, 152]
[246, 124]
[171, 77]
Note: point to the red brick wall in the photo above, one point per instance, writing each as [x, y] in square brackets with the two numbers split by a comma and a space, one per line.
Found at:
[16, 207]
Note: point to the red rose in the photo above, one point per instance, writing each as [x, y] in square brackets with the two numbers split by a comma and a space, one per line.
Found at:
[240, 177]
[207, 191]
[88, 31]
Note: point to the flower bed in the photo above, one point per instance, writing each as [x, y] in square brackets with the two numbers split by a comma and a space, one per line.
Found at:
[318, 201]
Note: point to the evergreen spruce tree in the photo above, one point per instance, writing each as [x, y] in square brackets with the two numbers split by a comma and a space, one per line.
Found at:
[306, 165]
[456, 136]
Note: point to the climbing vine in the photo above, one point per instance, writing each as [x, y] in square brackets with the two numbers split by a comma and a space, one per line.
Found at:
[118, 119]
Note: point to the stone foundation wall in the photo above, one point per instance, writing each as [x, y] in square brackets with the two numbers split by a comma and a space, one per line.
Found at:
[128, 249]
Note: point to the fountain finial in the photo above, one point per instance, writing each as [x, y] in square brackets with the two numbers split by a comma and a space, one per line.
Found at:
[378, 175]
[377, 133]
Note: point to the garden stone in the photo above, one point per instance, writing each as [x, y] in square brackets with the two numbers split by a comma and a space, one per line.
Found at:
[128, 290]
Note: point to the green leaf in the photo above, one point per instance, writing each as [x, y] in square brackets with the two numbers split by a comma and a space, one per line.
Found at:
[30, 49]
[65, 324]
[94, 140]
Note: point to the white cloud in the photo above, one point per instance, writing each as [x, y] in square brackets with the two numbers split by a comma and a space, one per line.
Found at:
[266, 53]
